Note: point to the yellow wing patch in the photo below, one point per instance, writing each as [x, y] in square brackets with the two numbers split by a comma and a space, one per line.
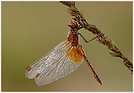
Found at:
[74, 54]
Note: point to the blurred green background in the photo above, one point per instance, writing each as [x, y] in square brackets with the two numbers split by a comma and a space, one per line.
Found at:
[31, 29]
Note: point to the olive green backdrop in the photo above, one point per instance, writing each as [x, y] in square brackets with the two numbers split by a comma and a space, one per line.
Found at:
[31, 29]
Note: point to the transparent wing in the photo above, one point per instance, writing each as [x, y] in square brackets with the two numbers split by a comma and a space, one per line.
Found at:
[56, 71]
[45, 61]
[54, 65]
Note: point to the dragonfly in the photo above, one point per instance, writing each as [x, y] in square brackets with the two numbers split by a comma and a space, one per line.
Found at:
[61, 60]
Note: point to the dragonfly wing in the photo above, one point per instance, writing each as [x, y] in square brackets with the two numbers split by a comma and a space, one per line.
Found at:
[59, 62]
[63, 67]
[43, 63]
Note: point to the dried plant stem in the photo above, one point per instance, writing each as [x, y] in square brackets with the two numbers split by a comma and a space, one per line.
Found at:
[101, 38]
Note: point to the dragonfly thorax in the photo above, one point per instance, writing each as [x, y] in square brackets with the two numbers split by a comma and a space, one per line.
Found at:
[73, 38]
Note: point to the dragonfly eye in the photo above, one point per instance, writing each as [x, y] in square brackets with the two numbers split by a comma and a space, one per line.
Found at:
[73, 24]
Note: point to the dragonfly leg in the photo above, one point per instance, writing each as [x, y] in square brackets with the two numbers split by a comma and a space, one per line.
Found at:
[87, 41]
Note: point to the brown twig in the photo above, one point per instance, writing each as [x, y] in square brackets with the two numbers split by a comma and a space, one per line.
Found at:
[101, 38]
